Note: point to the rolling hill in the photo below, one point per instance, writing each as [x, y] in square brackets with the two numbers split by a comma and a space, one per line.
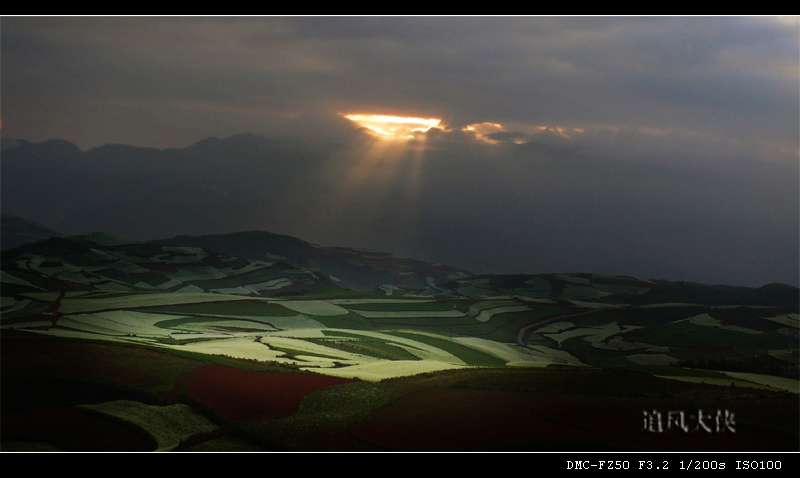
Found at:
[200, 347]
[17, 231]
[99, 262]
[350, 268]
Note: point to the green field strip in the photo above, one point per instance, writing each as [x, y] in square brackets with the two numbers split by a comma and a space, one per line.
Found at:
[677, 371]
[331, 408]
[596, 319]
[155, 279]
[369, 346]
[19, 278]
[229, 308]
[773, 339]
[539, 339]
[426, 323]
[410, 306]
[705, 353]
[686, 334]
[108, 294]
[293, 354]
[181, 321]
[505, 327]
[172, 340]
[352, 335]
[469, 355]
[655, 316]
[479, 306]
[14, 289]
[590, 355]
[351, 320]
[455, 326]
[384, 338]
[24, 313]
[257, 276]
[115, 275]
[141, 300]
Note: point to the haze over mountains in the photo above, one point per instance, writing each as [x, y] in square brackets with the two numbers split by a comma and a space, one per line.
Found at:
[263, 264]
[555, 213]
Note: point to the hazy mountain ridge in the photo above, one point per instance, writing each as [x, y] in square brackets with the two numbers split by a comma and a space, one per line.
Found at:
[364, 270]
[457, 213]
[141, 192]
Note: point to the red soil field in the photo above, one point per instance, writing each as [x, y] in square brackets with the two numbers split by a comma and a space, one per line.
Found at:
[253, 395]
[132, 366]
[479, 420]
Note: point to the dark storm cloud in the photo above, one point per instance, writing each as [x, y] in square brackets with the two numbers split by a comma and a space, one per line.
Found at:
[708, 73]
[658, 147]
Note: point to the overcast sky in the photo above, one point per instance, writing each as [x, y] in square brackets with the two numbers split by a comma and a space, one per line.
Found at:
[657, 147]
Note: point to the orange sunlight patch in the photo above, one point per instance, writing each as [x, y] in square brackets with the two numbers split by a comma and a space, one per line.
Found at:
[395, 127]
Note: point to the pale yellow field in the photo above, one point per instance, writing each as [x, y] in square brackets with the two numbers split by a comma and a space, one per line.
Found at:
[313, 307]
[377, 371]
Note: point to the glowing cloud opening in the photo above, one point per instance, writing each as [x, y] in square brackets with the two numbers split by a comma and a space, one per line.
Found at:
[517, 134]
[395, 127]
[482, 131]
[567, 133]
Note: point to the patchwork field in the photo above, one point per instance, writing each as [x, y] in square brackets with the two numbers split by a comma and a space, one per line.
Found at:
[181, 348]
[329, 335]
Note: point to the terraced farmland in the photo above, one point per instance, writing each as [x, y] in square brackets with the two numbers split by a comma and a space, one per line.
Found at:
[225, 324]
[327, 335]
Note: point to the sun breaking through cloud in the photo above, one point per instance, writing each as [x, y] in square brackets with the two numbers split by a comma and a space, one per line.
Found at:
[394, 127]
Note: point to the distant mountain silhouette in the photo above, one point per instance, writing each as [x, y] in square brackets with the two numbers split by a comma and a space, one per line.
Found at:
[140, 193]
[50, 149]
